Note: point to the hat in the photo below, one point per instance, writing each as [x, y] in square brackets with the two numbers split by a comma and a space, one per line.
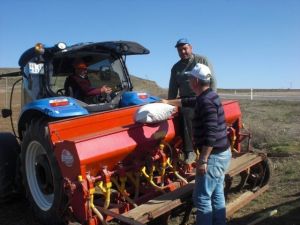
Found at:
[80, 65]
[182, 41]
[200, 71]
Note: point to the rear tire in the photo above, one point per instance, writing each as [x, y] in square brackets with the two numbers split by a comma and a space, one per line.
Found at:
[41, 175]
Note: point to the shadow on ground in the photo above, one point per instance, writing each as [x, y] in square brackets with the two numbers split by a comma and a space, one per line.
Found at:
[288, 213]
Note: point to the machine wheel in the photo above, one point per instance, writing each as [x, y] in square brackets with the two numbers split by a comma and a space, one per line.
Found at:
[41, 175]
[260, 174]
[9, 151]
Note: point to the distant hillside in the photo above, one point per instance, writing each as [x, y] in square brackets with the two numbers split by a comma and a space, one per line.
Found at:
[148, 86]
[8, 70]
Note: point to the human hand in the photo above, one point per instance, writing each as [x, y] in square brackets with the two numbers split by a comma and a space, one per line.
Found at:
[166, 101]
[105, 89]
[175, 102]
[201, 168]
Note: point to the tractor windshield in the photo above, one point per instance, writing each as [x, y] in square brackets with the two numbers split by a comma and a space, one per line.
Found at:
[102, 69]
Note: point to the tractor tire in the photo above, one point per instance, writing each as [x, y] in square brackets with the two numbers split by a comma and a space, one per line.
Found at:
[9, 152]
[42, 178]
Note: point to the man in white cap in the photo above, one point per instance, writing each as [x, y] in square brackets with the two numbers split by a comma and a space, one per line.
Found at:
[210, 138]
[179, 85]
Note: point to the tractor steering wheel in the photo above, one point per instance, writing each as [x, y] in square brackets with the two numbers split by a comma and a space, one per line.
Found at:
[61, 91]
[106, 98]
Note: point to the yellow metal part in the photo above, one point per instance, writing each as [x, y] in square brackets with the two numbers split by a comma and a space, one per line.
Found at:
[232, 143]
[176, 172]
[105, 189]
[164, 163]
[150, 179]
[197, 154]
[94, 209]
[152, 169]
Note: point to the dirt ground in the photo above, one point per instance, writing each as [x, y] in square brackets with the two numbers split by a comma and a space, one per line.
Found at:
[275, 126]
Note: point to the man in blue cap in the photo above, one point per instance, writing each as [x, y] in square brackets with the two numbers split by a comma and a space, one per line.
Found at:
[179, 82]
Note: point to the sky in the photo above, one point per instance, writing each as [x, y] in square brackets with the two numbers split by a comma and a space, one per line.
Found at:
[251, 43]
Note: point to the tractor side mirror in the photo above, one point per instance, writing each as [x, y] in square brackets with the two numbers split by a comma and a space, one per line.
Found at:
[6, 113]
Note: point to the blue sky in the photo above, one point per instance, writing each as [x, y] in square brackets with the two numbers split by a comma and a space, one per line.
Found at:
[251, 43]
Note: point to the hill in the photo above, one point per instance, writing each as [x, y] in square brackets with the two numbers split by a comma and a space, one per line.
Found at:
[8, 70]
[148, 86]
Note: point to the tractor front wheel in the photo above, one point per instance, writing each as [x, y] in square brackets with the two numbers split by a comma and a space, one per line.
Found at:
[41, 175]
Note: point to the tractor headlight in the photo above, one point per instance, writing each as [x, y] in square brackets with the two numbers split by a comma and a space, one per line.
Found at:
[39, 48]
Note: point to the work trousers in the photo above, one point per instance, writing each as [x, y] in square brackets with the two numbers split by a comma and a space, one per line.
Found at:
[187, 115]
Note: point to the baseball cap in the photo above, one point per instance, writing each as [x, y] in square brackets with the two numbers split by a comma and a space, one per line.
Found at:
[182, 41]
[80, 65]
[200, 71]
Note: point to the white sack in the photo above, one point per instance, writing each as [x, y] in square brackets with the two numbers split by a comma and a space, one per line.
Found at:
[154, 112]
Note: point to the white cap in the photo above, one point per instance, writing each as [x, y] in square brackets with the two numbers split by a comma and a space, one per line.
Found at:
[201, 72]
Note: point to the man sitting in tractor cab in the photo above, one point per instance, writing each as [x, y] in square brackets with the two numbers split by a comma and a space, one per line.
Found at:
[79, 86]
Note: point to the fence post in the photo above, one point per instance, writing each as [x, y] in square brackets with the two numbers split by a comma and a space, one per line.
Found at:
[6, 84]
[251, 94]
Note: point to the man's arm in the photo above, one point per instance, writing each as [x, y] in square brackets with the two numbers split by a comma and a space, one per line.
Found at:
[175, 102]
[100, 90]
[211, 125]
[185, 102]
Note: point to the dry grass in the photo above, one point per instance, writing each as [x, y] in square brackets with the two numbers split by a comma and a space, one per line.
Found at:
[275, 128]
[274, 125]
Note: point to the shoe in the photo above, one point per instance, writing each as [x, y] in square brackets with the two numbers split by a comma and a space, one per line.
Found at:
[190, 157]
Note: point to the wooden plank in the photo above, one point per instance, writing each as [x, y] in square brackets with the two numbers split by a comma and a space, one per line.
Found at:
[243, 200]
[120, 217]
[161, 204]
[243, 162]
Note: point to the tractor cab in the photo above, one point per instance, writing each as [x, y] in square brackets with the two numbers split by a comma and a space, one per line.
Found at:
[48, 73]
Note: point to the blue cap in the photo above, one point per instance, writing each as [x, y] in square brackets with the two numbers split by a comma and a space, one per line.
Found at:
[182, 41]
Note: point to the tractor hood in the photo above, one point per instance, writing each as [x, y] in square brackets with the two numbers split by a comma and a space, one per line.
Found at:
[116, 47]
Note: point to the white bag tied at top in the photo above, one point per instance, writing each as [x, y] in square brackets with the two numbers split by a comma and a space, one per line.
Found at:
[154, 112]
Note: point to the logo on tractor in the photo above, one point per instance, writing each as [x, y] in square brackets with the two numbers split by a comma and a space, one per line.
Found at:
[67, 158]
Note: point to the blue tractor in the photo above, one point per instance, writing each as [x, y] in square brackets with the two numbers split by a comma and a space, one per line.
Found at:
[47, 95]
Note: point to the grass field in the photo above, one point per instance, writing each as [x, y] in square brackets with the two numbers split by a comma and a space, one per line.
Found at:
[275, 126]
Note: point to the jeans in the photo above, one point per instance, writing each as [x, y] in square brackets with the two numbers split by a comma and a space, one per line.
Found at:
[208, 195]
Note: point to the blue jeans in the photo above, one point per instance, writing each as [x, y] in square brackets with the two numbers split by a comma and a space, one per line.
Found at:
[208, 195]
